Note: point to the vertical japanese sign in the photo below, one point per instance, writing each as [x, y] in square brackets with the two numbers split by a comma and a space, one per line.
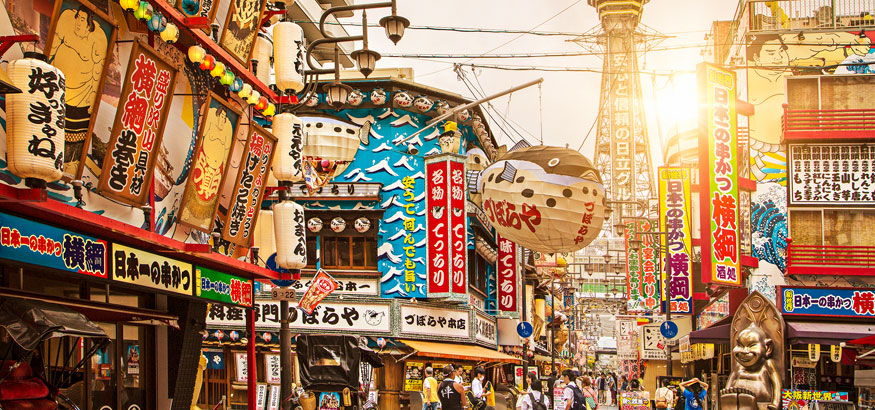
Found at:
[445, 223]
[322, 286]
[508, 280]
[249, 187]
[138, 127]
[719, 179]
[218, 125]
[409, 248]
[642, 268]
[272, 368]
[675, 218]
[620, 106]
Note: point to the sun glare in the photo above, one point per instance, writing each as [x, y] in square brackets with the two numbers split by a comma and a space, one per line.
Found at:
[676, 102]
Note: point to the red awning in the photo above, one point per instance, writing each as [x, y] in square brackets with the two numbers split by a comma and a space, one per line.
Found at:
[868, 340]
[101, 312]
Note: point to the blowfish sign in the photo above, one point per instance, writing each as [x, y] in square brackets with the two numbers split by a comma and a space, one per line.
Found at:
[719, 143]
[138, 127]
[447, 235]
[507, 276]
[674, 218]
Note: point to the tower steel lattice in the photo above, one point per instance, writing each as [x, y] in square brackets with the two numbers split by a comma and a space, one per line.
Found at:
[622, 149]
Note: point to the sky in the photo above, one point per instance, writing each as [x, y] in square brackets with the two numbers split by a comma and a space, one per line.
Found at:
[564, 109]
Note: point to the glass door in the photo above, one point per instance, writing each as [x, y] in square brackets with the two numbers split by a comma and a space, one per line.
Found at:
[133, 360]
[102, 379]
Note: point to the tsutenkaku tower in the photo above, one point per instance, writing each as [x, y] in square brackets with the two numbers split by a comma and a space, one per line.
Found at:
[622, 149]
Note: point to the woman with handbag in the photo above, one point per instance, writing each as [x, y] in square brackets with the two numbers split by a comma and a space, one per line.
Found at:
[589, 394]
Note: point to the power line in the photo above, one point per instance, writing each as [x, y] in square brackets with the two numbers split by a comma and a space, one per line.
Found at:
[462, 29]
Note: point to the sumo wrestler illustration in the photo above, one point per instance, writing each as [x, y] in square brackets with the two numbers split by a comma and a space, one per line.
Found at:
[547, 199]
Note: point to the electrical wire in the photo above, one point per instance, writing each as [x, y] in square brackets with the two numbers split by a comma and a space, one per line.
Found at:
[490, 107]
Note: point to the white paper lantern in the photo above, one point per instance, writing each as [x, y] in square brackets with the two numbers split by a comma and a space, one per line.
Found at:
[291, 242]
[289, 131]
[261, 52]
[546, 199]
[314, 225]
[288, 52]
[338, 224]
[362, 225]
[35, 120]
[332, 140]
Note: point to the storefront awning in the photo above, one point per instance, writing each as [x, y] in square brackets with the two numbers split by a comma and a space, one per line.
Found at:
[445, 350]
[826, 333]
[713, 334]
[100, 312]
[868, 340]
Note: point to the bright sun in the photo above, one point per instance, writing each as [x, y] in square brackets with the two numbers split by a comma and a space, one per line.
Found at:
[677, 106]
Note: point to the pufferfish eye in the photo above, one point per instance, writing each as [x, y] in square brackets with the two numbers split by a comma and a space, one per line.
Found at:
[553, 162]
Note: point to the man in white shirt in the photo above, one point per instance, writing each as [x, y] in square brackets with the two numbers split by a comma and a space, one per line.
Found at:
[525, 402]
[568, 393]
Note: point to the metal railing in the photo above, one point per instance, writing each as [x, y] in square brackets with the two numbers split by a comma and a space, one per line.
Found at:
[801, 124]
[766, 15]
[831, 260]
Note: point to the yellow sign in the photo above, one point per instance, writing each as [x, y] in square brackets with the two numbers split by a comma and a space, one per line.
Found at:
[153, 271]
[814, 352]
[835, 353]
[413, 376]
[675, 217]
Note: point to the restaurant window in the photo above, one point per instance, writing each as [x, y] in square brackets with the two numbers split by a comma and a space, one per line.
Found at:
[477, 267]
[348, 249]
[832, 227]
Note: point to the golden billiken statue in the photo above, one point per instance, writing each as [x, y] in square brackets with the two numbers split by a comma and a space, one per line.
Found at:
[755, 382]
[78, 50]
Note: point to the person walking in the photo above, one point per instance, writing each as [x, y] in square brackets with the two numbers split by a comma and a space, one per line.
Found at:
[430, 398]
[664, 396]
[480, 388]
[574, 397]
[589, 394]
[534, 399]
[612, 389]
[451, 393]
[602, 385]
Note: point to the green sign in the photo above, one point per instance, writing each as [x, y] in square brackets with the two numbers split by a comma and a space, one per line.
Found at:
[223, 287]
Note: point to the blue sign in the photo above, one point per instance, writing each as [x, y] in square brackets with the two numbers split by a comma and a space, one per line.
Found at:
[525, 329]
[38, 244]
[839, 302]
[668, 329]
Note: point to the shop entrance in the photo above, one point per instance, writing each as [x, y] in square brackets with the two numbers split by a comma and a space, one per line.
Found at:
[119, 375]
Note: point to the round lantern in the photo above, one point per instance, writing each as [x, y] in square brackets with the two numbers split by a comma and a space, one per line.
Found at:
[362, 225]
[144, 11]
[338, 224]
[261, 104]
[356, 98]
[378, 96]
[263, 237]
[218, 70]
[314, 225]
[208, 62]
[170, 33]
[288, 52]
[196, 54]
[403, 99]
[129, 5]
[157, 23]
[245, 91]
[289, 131]
[234, 335]
[253, 97]
[34, 136]
[227, 78]
[261, 52]
[270, 110]
[547, 199]
[333, 140]
[291, 242]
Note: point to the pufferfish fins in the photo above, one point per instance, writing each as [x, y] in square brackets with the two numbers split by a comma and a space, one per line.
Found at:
[509, 172]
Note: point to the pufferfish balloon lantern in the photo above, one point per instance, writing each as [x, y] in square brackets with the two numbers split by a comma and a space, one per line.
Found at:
[547, 199]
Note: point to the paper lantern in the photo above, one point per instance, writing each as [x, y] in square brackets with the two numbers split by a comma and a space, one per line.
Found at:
[227, 78]
[157, 23]
[333, 140]
[314, 225]
[338, 224]
[261, 52]
[144, 11]
[288, 52]
[129, 5]
[218, 70]
[422, 103]
[547, 199]
[356, 98]
[270, 110]
[208, 62]
[253, 97]
[289, 131]
[245, 91]
[291, 242]
[196, 54]
[35, 136]
[403, 99]
[362, 225]
[261, 104]
[170, 33]
[378, 96]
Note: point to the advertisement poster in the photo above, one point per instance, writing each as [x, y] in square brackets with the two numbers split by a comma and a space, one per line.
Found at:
[329, 401]
[445, 223]
[508, 286]
[223, 287]
[799, 399]
[26, 241]
[642, 267]
[274, 401]
[138, 127]
[675, 217]
[721, 256]
[630, 400]
[837, 302]
[152, 271]
[559, 396]
[240, 362]
[272, 368]
[413, 375]
[323, 285]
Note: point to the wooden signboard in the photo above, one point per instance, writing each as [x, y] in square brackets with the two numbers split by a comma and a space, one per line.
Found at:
[249, 187]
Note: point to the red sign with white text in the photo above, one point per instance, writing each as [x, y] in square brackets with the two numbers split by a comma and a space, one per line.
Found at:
[507, 277]
[459, 227]
[438, 221]
[447, 227]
